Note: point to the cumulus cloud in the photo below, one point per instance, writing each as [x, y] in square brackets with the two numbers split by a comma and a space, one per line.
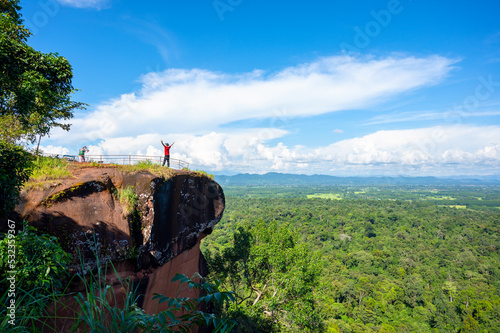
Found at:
[437, 150]
[440, 150]
[198, 109]
[241, 150]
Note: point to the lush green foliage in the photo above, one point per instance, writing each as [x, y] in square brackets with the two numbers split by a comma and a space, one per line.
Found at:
[35, 91]
[30, 312]
[273, 275]
[414, 265]
[35, 87]
[40, 265]
[15, 165]
[46, 168]
[99, 315]
[40, 262]
[193, 317]
[483, 195]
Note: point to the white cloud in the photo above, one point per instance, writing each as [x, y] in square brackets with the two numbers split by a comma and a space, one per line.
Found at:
[440, 150]
[433, 150]
[99, 4]
[190, 107]
[450, 115]
[213, 151]
[58, 150]
[199, 101]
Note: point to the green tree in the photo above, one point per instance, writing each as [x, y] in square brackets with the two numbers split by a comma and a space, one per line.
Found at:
[273, 275]
[35, 87]
[408, 278]
[413, 290]
[40, 262]
[35, 96]
[14, 171]
[370, 230]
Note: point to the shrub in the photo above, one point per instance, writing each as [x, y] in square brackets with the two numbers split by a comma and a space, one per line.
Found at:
[39, 264]
[128, 198]
[15, 169]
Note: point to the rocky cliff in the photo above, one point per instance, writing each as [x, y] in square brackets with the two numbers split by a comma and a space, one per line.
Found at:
[149, 238]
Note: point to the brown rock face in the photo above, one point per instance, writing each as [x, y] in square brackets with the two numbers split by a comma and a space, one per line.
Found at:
[150, 244]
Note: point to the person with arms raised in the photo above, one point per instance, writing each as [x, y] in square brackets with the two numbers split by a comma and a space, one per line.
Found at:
[167, 153]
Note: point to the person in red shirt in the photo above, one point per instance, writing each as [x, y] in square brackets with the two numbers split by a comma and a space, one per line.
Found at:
[167, 153]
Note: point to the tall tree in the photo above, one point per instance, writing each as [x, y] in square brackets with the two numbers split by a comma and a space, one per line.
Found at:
[274, 276]
[35, 87]
[35, 96]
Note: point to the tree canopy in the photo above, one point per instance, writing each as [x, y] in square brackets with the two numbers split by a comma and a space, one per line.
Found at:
[395, 259]
[35, 87]
[35, 96]
[274, 277]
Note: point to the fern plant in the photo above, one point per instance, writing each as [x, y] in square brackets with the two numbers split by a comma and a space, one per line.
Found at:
[98, 315]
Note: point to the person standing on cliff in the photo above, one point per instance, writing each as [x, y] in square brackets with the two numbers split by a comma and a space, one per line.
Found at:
[82, 152]
[167, 153]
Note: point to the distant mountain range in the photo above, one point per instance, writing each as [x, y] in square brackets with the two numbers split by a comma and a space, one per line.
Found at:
[284, 179]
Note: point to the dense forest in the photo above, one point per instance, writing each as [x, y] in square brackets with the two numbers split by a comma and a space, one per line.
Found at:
[379, 259]
[286, 179]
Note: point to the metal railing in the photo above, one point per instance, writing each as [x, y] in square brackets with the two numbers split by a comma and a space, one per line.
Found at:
[121, 159]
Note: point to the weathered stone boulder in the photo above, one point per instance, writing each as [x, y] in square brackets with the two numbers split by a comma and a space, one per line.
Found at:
[148, 243]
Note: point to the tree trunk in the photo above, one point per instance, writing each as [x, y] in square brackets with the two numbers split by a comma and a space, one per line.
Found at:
[39, 138]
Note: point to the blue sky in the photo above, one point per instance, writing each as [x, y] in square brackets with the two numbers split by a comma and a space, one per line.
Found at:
[331, 87]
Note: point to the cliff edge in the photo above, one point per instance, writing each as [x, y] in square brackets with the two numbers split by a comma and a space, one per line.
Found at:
[148, 238]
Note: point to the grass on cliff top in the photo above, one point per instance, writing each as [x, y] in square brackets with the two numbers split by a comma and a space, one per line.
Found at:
[155, 169]
[47, 169]
[205, 174]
